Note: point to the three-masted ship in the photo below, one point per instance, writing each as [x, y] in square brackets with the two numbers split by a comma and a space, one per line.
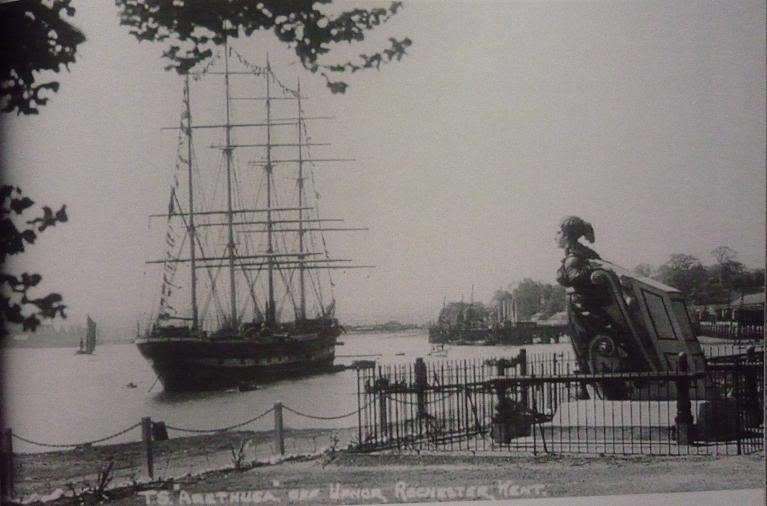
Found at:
[246, 250]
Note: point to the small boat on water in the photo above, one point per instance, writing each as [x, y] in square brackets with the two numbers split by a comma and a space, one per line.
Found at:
[438, 350]
[88, 345]
[247, 386]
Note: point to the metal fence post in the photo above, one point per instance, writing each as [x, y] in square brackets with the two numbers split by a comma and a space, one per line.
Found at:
[522, 358]
[6, 461]
[146, 436]
[554, 390]
[383, 417]
[739, 415]
[359, 411]
[420, 384]
[683, 420]
[279, 430]
[752, 398]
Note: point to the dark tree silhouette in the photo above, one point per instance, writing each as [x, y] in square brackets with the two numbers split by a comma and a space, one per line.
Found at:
[192, 29]
[685, 273]
[535, 297]
[34, 37]
[16, 305]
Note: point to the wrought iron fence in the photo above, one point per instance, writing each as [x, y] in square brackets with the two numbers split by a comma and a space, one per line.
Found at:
[731, 330]
[541, 404]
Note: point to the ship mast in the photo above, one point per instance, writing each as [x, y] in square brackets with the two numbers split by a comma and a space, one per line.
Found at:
[304, 224]
[229, 214]
[301, 266]
[192, 252]
[270, 310]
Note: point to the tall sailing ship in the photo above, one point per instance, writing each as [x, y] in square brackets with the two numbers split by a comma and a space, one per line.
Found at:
[246, 249]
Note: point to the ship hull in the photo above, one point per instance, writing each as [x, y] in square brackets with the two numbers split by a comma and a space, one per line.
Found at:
[195, 364]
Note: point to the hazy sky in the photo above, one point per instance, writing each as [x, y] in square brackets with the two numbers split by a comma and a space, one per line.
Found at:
[645, 118]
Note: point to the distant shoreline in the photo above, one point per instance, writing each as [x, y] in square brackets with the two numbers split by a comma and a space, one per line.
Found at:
[34, 343]
[48, 342]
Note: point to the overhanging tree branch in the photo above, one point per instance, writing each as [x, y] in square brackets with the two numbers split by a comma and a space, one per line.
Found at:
[192, 29]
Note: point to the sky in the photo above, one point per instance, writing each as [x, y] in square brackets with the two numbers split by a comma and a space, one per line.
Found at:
[645, 118]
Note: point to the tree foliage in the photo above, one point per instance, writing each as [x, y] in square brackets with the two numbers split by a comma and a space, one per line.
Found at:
[645, 270]
[191, 29]
[685, 273]
[727, 269]
[535, 297]
[16, 304]
[718, 283]
[34, 37]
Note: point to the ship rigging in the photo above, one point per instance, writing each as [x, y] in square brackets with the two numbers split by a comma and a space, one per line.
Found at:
[274, 252]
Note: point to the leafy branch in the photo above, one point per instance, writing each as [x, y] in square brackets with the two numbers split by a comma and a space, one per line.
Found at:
[34, 37]
[193, 29]
[16, 304]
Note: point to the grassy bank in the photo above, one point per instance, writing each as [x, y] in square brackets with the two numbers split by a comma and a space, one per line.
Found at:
[354, 479]
[207, 473]
[42, 473]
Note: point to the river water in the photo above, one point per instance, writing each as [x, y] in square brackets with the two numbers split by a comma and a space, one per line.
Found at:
[55, 396]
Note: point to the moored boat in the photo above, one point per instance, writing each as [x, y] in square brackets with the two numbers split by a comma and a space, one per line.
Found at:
[232, 331]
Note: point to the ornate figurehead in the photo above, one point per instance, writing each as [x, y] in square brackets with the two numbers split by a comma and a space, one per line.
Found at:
[594, 330]
[574, 272]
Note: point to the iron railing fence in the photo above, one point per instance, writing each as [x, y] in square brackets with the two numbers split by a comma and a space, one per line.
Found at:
[543, 405]
[731, 330]
[743, 349]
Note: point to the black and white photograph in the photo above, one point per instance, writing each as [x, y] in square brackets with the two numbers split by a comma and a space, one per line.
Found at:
[382, 252]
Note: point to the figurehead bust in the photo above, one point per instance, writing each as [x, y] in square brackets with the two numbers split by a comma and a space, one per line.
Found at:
[572, 228]
[574, 271]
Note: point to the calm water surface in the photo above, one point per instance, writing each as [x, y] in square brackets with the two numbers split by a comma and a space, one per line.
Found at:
[56, 396]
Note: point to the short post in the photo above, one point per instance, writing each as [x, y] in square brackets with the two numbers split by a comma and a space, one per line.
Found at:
[279, 430]
[146, 437]
[683, 420]
[523, 372]
[420, 384]
[500, 369]
[7, 476]
[421, 380]
[738, 388]
[383, 418]
[754, 416]
[555, 386]
[359, 408]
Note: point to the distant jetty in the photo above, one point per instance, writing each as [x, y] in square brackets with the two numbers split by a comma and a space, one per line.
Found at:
[390, 326]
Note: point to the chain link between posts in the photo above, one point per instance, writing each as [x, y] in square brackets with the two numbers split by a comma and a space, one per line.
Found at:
[189, 430]
[75, 445]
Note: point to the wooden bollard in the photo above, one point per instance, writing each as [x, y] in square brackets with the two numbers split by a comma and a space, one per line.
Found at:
[683, 420]
[146, 437]
[6, 461]
[279, 429]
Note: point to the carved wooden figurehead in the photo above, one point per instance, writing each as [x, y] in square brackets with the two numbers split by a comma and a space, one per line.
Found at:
[620, 321]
